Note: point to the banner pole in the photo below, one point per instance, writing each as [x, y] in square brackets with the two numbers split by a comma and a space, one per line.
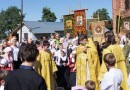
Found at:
[118, 30]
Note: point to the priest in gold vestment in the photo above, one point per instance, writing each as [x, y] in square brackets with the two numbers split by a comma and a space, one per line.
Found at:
[112, 47]
[87, 62]
[46, 67]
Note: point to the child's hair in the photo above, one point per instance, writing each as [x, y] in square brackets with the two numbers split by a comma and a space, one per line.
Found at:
[37, 42]
[82, 37]
[90, 85]
[3, 74]
[46, 43]
[128, 35]
[110, 59]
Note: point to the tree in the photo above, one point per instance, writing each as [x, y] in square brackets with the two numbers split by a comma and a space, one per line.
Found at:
[104, 15]
[2, 24]
[48, 16]
[110, 25]
[9, 20]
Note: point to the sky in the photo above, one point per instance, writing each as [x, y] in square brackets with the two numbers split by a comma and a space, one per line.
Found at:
[33, 8]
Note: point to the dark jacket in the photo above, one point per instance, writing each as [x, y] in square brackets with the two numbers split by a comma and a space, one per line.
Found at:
[24, 78]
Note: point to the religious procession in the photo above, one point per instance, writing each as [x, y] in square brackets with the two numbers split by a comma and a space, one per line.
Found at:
[76, 53]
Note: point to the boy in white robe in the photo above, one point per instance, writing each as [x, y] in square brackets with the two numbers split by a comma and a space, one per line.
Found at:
[113, 78]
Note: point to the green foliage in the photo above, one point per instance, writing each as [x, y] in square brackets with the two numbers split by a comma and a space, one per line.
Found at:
[104, 15]
[110, 24]
[48, 16]
[9, 20]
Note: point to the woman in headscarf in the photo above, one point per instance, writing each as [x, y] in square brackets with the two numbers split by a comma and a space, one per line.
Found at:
[8, 55]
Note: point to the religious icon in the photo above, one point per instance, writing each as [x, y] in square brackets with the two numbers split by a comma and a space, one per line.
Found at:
[98, 30]
[126, 25]
[79, 21]
[68, 24]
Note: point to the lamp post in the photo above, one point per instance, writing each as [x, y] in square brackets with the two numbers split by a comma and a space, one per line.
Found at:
[21, 20]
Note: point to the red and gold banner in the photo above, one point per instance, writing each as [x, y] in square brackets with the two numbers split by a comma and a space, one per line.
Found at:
[69, 24]
[80, 22]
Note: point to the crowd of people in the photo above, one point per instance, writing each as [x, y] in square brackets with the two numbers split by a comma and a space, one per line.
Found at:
[66, 63]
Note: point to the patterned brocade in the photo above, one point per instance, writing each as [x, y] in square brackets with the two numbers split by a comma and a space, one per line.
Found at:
[93, 64]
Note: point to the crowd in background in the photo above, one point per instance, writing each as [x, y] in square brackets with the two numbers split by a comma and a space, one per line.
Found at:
[66, 63]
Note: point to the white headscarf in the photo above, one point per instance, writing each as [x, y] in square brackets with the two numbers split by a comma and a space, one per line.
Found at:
[4, 61]
[7, 49]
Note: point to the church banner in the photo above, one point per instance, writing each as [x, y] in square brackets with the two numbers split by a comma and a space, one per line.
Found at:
[69, 24]
[80, 22]
[98, 30]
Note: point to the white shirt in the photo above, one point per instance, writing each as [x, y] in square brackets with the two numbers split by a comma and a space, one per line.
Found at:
[112, 80]
[53, 50]
[1, 87]
[59, 58]
[123, 39]
[58, 55]
[129, 80]
[15, 53]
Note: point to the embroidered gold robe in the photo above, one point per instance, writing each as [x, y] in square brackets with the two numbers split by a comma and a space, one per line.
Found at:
[86, 71]
[93, 61]
[46, 67]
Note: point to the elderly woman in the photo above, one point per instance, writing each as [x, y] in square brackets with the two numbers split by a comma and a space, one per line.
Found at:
[7, 55]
